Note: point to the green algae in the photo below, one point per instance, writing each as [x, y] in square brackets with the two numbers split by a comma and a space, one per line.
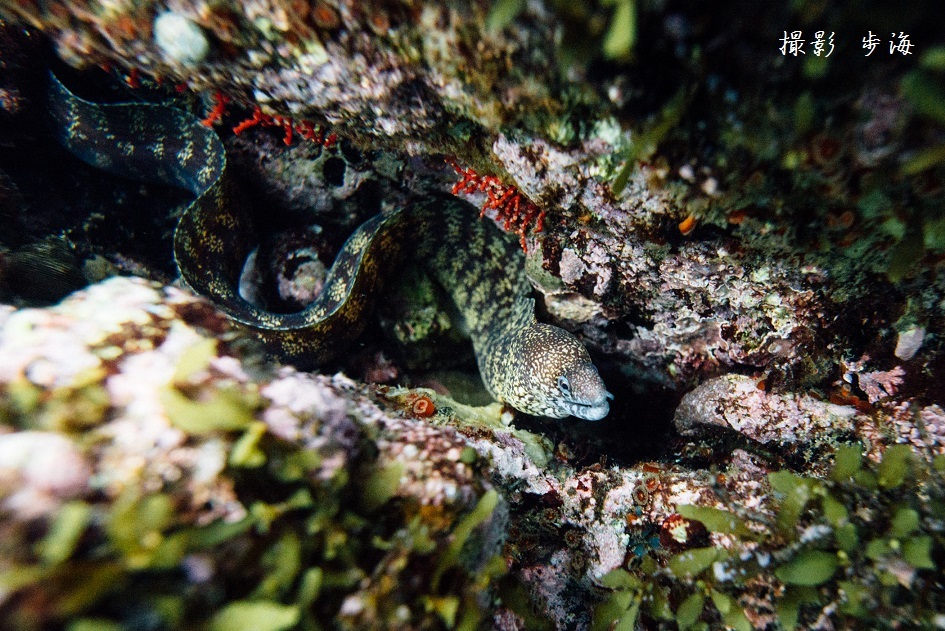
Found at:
[282, 563]
[894, 466]
[924, 160]
[810, 568]
[94, 624]
[847, 461]
[917, 552]
[307, 541]
[867, 537]
[690, 610]
[621, 36]
[926, 95]
[650, 138]
[733, 616]
[381, 485]
[621, 608]
[255, 615]
[74, 407]
[461, 533]
[224, 409]
[716, 520]
[20, 399]
[138, 530]
[70, 523]
[691, 563]
[502, 13]
[515, 596]
[246, 451]
[220, 408]
[933, 59]
[904, 522]
[797, 492]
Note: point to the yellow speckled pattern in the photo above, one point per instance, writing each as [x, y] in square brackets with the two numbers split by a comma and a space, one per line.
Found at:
[521, 361]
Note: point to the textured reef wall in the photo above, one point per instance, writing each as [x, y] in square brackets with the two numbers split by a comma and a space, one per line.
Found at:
[749, 243]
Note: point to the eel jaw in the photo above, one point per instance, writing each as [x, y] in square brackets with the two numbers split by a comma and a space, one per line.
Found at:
[593, 411]
[581, 391]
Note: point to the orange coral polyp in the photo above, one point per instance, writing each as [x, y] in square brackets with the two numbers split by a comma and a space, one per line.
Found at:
[423, 407]
[687, 225]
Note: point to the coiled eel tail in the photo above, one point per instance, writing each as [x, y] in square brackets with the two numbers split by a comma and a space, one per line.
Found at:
[536, 368]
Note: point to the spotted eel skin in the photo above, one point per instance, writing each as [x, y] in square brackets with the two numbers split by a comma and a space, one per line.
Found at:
[536, 368]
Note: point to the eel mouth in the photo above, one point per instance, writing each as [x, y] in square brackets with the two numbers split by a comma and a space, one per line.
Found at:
[590, 411]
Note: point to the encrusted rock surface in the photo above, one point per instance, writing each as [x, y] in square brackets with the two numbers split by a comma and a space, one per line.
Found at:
[788, 422]
[132, 392]
[749, 244]
[129, 394]
[139, 425]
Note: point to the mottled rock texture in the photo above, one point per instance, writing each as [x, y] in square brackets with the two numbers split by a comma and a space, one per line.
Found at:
[749, 243]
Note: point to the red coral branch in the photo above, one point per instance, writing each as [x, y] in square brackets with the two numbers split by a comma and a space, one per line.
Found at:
[514, 210]
[306, 129]
[219, 109]
[289, 126]
[254, 120]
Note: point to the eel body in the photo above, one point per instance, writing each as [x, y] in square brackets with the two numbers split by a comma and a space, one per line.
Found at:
[536, 368]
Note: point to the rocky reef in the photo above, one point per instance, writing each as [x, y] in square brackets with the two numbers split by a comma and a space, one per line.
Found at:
[748, 241]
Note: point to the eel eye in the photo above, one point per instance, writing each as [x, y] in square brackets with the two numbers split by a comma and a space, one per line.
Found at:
[564, 385]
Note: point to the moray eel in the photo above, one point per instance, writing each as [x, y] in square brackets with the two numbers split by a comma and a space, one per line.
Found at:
[536, 368]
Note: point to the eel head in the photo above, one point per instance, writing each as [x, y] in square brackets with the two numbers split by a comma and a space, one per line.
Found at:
[554, 376]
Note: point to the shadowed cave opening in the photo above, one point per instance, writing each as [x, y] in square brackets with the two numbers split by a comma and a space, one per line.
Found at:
[638, 427]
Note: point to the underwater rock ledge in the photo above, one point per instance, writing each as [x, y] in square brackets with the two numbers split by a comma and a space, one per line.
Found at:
[135, 443]
[152, 466]
[141, 435]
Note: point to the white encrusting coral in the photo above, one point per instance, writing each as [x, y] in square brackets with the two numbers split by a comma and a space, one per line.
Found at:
[180, 38]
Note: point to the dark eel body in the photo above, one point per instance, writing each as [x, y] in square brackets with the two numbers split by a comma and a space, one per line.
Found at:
[536, 368]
